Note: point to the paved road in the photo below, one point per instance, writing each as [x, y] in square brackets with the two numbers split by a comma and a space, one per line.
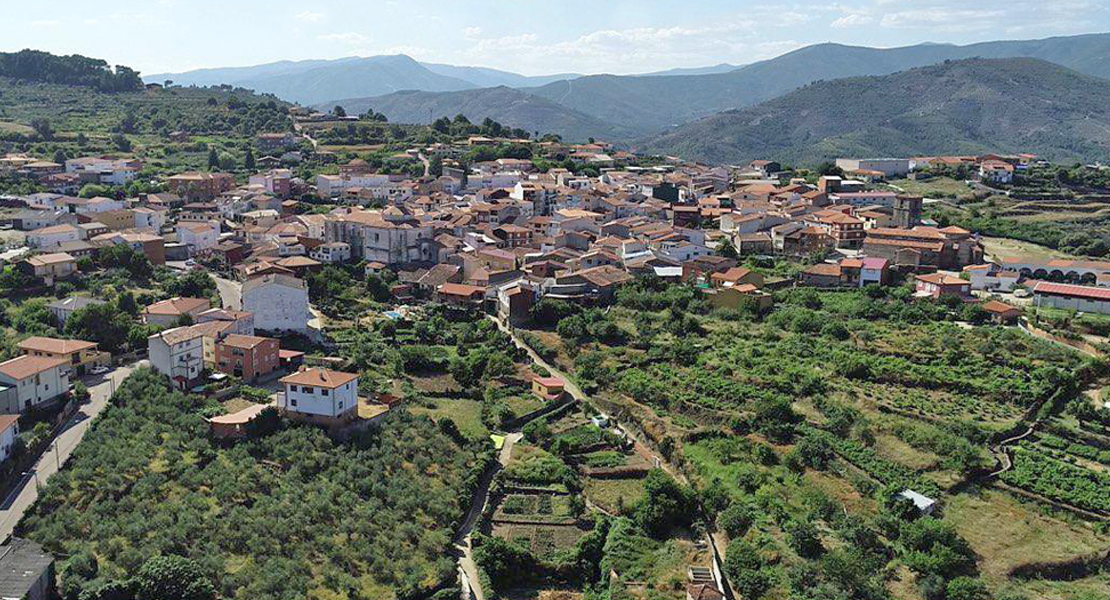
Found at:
[26, 491]
[231, 293]
[468, 570]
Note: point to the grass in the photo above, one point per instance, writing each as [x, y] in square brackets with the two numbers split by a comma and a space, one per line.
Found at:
[937, 187]
[467, 415]
[614, 494]
[1006, 532]
[1006, 247]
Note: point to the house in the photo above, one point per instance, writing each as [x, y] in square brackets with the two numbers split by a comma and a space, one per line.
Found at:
[198, 235]
[703, 591]
[50, 267]
[996, 171]
[234, 425]
[168, 313]
[53, 236]
[321, 396]
[938, 285]
[735, 297]
[26, 571]
[9, 432]
[459, 293]
[332, 252]
[550, 389]
[241, 321]
[279, 302]
[247, 357]
[38, 380]
[991, 277]
[78, 355]
[1001, 312]
[821, 275]
[736, 276]
[178, 354]
[388, 236]
[200, 186]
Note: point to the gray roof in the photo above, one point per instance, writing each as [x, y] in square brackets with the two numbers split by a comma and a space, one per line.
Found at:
[75, 303]
[22, 564]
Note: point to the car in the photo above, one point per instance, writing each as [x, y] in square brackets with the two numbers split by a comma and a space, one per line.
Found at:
[1022, 293]
[99, 370]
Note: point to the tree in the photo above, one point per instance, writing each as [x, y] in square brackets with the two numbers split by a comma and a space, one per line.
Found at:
[803, 538]
[339, 111]
[104, 324]
[60, 156]
[666, 504]
[194, 284]
[735, 520]
[122, 256]
[213, 159]
[248, 159]
[43, 128]
[172, 578]
[966, 588]
[121, 142]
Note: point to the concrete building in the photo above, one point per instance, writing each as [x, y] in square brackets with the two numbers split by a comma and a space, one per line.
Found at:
[889, 167]
[279, 302]
[320, 396]
[1079, 298]
[26, 571]
[387, 236]
[178, 354]
[247, 357]
[38, 380]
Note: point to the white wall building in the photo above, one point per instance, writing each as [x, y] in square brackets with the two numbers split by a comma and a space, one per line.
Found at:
[178, 354]
[9, 431]
[199, 235]
[37, 379]
[320, 394]
[279, 302]
[51, 237]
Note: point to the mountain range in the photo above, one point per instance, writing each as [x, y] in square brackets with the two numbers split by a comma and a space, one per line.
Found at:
[956, 107]
[620, 108]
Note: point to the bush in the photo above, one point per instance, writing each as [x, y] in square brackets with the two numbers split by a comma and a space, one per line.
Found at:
[735, 520]
[172, 578]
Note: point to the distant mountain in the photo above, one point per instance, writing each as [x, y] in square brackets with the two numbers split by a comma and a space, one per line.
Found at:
[502, 104]
[311, 82]
[721, 68]
[483, 77]
[957, 107]
[655, 103]
[316, 81]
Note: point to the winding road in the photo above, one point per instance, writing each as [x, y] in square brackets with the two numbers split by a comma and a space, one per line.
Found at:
[468, 570]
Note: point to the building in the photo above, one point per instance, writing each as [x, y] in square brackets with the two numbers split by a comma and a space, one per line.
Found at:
[1001, 313]
[79, 355]
[332, 252]
[924, 247]
[9, 432]
[49, 238]
[50, 267]
[198, 235]
[234, 425]
[241, 321]
[168, 313]
[996, 171]
[178, 354]
[548, 388]
[736, 276]
[888, 167]
[26, 571]
[320, 396]
[247, 357]
[938, 285]
[907, 211]
[389, 236]
[1072, 297]
[279, 302]
[38, 380]
[201, 186]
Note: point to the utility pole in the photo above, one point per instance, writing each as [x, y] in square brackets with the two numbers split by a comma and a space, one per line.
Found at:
[57, 457]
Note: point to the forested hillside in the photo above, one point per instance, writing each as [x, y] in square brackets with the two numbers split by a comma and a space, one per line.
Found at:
[34, 65]
[958, 107]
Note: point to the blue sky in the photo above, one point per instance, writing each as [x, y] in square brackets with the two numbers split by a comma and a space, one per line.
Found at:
[528, 36]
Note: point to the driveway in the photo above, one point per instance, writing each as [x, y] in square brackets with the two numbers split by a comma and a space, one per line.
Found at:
[26, 491]
[468, 570]
[231, 293]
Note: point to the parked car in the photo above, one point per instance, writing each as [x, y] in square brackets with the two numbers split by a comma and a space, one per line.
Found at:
[99, 370]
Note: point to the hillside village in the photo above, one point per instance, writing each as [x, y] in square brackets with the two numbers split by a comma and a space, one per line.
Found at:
[304, 354]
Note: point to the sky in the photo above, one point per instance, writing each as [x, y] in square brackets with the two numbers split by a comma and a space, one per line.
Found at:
[532, 37]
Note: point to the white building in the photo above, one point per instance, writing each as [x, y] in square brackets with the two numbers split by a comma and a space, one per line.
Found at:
[332, 252]
[104, 170]
[54, 236]
[320, 395]
[198, 235]
[389, 236]
[9, 431]
[889, 167]
[149, 219]
[278, 302]
[178, 354]
[37, 379]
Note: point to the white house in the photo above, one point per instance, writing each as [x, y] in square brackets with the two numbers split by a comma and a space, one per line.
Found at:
[320, 395]
[996, 171]
[332, 252]
[279, 302]
[37, 379]
[54, 236]
[63, 309]
[198, 235]
[9, 431]
[178, 354]
[149, 219]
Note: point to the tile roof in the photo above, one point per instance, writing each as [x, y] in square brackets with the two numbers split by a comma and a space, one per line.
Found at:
[1075, 291]
[25, 366]
[177, 306]
[318, 377]
[55, 345]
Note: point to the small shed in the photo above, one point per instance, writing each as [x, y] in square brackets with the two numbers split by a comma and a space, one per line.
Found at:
[924, 504]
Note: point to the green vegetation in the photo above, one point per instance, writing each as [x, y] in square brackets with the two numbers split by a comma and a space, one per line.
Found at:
[42, 67]
[292, 512]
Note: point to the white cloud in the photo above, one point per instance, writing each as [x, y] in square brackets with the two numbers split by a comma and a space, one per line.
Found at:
[310, 16]
[350, 38]
[472, 33]
[852, 20]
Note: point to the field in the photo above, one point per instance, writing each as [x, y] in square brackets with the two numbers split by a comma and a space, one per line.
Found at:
[807, 416]
[467, 414]
[936, 187]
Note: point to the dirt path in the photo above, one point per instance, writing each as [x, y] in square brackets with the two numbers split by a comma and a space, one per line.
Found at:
[468, 570]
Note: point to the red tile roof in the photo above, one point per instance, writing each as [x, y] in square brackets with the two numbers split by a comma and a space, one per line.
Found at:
[1075, 291]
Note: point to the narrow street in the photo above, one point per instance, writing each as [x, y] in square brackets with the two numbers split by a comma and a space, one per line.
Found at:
[26, 490]
[468, 570]
[231, 293]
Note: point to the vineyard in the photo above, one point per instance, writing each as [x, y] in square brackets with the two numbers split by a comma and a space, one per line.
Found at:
[1059, 481]
[865, 459]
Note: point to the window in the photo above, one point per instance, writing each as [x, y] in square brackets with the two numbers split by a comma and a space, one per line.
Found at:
[324, 392]
[292, 388]
[293, 401]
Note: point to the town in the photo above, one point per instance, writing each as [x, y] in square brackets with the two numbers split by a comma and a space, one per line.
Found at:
[251, 348]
